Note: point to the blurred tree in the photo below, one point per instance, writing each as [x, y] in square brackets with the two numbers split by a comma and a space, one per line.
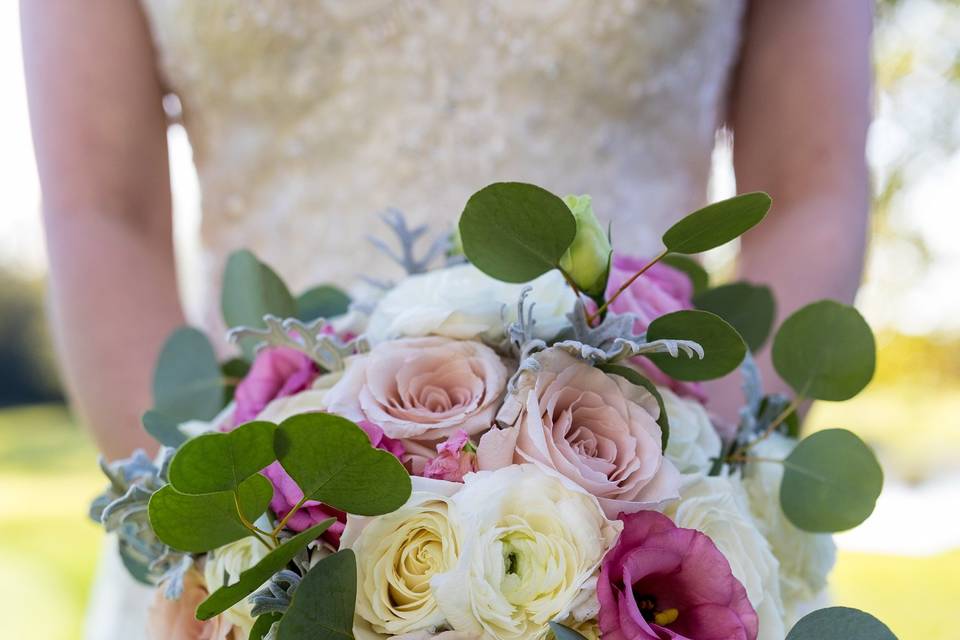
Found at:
[27, 370]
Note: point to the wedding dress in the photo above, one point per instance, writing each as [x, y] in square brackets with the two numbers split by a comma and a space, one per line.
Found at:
[308, 118]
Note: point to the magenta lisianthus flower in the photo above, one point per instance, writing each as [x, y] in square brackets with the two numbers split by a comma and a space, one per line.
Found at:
[286, 493]
[276, 372]
[661, 290]
[455, 458]
[662, 582]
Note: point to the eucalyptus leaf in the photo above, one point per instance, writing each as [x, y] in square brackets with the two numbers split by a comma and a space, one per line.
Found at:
[252, 290]
[563, 632]
[187, 384]
[254, 577]
[635, 377]
[221, 461]
[514, 231]
[332, 461]
[831, 482]
[234, 371]
[723, 347]
[749, 308]
[840, 623]
[200, 523]
[325, 301]
[717, 224]
[261, 626]
[323, 605]
[825, 351]
[699, 277]
[163, 428]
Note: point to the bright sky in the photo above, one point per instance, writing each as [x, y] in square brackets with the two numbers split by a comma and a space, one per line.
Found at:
[928, 207]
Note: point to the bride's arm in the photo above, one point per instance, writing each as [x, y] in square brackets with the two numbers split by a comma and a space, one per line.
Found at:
[100, 139]
[799, 113]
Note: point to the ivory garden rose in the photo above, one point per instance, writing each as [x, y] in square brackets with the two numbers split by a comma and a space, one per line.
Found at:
[422, 390]
[224, 566]
[597, 430]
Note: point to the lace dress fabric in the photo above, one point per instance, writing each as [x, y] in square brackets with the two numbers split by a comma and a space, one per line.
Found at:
[307, 118]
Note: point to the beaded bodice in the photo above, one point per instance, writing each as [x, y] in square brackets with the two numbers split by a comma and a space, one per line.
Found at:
[309, 117]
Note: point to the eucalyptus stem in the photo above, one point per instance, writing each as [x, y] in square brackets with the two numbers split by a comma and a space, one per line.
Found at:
[626, 285]
[287, 517]
[739, 457]
[255, 530]
[790, 408]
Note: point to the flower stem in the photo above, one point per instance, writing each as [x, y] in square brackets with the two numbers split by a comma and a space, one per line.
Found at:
[256, 531]
[573, 285]
[626, 285]
[287, 517]
[790, 408]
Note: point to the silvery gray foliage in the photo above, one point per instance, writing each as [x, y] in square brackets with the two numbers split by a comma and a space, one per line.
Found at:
[275, 596]
[408, 239]
[520, 331]
[613, 339]
[122, 509]
[311, 338]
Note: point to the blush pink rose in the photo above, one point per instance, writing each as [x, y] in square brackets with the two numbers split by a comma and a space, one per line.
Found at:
[286, 493]
[422, 390]
[276, 372]
[659, 291]
[456, 458]
[176, 619]
[661, 581]
[597, 430]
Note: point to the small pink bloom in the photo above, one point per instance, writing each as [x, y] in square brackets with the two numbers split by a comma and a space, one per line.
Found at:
[286, 492]
[457, 457]
[659, 291]
[662, 582]
[276, 372]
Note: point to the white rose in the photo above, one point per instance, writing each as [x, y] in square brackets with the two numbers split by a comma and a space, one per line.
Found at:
[464, 303]
[718, 507]
[224, 566]
[693, 439]
[530, 543]
[397, 555]
[805, 558]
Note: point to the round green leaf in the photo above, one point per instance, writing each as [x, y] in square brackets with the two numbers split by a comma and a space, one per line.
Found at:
[221, 461]
[514, 231]
[263, 623]
[323, 605]
[163, 428]
[252, 290]
[187, 383]
[253, 578]
[831, 482]
[635, 377]
[331, 460]
[717, 224]
[723, 347]
[563, 632]
[324, 301]
[200, 523]
[749, 308]
[699, 277]
[825, 351]
[840, 623]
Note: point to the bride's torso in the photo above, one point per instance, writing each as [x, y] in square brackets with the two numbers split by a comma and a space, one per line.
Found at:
[309, 117]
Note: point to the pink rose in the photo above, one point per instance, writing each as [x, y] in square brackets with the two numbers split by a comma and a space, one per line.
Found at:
[659, 291]
[276, 372]
[422, 390]
[176, 619]
[286, 493]
[457, 457]
[661, 581]
[597, 430]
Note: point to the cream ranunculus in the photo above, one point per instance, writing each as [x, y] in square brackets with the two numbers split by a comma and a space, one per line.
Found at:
[718, 507]
[530, 543]
[464, 303]
[306, 401]
[805, 558]
[597, 430]
[693, 439]
[397, 555]
[224, 566]
[422, 389]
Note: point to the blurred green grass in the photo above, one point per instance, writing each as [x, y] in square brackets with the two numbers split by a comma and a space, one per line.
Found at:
[49, 550]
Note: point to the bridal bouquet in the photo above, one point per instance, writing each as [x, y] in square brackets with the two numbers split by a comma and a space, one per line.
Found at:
[511, 446]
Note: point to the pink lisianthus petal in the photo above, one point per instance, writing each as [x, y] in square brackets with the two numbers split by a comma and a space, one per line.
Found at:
[658, 565]
[276, 372]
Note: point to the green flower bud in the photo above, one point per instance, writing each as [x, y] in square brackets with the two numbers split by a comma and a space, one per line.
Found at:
[587, 260]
